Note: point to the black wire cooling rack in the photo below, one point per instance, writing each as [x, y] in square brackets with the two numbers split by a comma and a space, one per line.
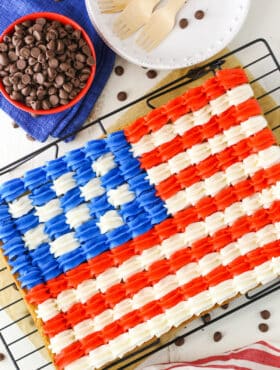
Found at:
[259, 60]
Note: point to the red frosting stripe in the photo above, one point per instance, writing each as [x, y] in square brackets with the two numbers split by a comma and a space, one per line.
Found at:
[193, 100]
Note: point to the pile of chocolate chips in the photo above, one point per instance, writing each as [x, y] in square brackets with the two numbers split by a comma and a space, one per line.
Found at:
[44, 63]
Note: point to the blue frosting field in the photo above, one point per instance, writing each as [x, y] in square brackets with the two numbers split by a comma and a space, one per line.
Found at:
[39, 265]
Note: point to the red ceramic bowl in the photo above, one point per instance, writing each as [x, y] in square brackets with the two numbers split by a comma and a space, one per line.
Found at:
[64, 20]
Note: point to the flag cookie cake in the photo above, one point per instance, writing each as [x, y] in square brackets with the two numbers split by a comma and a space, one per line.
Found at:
[118, 242]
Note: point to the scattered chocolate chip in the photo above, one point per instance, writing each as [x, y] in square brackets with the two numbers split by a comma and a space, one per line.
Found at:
[199, 14]
[29, 137]
[225, 306]
[217, 336]
[2, 356]
[15, 125]
[265, 314]
[263, 327]
[151, 73]
[206, 318]
[122, 95]
[119, 70]
[179, 342]
[183, 23]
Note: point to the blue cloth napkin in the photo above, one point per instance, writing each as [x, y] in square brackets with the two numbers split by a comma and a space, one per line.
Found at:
[60, 124]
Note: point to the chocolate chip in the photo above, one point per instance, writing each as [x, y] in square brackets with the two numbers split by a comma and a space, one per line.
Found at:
[119, 70]
[29, 39]
[29, 137]
[122, 95]
[263, 327]
[41, 21]
[183, 23]
[21, 64]
[39, 78]
[68, 87]
[15, 125]
[152, 73]
[206, 318]
[52, 90]
[7, 81]
[59, 80]
[2, 356]
[26, 91]
[51, 45]
[81, 58]
[26, 79]
[37, 67]
[4, 60]
[3, 47]
[35, 52]
[225, 306]
[265, 314]
[60, 47]
[77, 34]
[12, 56]
[86, 50]
[36, 105]
[217, 336]
[46, 104]
[37, 35]
[53, 63]
[179, 342]
[63, 94]
[90, 61]
[63, 101]
[199, 14]
[54, 100]
[16, 96]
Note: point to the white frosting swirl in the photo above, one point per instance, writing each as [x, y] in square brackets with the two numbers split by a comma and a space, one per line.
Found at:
[104, 164]
[35, 237]
[109, 221]
[64, 183]
[63, 244]
[92, 189]
[49, 210]
[20, 206]
[159, 173]
[121, 195]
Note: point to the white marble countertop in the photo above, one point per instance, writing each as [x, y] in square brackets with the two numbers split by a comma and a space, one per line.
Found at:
[240, 328]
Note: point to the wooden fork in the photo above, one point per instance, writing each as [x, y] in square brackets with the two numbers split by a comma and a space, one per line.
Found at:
[134, 16]
[112, 6]
[160, 25]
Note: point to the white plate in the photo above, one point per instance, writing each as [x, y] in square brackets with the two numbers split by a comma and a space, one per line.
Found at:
[183, 47]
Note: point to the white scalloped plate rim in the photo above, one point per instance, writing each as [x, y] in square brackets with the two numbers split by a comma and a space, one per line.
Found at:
[218, 19]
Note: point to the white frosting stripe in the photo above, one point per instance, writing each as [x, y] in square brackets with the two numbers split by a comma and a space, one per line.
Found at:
[199, 152]
[172, 317]
[168, 132]
[192, 233]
